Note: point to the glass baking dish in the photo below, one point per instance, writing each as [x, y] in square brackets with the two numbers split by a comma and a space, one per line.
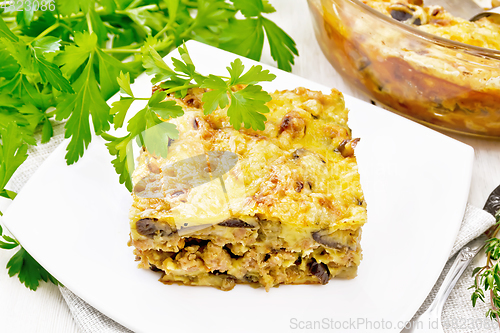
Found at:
[430, 79]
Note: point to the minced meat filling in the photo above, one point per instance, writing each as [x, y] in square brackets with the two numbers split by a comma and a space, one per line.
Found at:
[206, 262]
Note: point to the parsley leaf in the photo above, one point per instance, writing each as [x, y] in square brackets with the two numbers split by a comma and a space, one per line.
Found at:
[75, 55]
[142, 120]
[9, 67]
[124, 83]
[66, 8]
[30, 95]
[246, 36]
[77, 108]
[19, 51]
[247, 105]
[49, 72]
[123, 164]
[28, 270]
[8, 243]
[154, 65]
[47, 131]
[109, 69]
[32, 115]
[13, 152]
[253, 8]
[217, 96]
[47, 44]
[119, 109]
[254, 75]
[26, 15]
[110, 5]
[152, 132]
[167, 109]
[32, 61]
[8, 195]
[6, 33]
[98, 26]
[156, 138]
[282, 46]
[122, 149]
[90, 94]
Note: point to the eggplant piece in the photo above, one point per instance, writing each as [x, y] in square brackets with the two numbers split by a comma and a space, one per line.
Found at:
[401, 15]
[196, 125]
[327, 240]
[321, 271]
[154, 268]
[235, 223]
[149, 227]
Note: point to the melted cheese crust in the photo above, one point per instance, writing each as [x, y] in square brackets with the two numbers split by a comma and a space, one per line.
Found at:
[292, 171]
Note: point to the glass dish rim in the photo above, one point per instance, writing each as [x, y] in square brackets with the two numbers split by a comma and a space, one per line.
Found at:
[478, 50]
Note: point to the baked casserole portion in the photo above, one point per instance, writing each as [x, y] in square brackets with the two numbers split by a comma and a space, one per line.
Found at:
[423, 77]
[278, 206]
[455, 89]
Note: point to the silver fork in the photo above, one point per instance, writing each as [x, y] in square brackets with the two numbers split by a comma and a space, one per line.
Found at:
[430, 320]
[466, 9]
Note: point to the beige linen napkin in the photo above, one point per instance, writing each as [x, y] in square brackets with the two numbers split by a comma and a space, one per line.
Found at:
[458, 314]
[458, 317]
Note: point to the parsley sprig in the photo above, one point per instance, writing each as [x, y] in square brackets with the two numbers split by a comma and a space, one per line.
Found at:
[13, 152]
[29, 272]
[245, 106]
[487, 277]
[63, 64]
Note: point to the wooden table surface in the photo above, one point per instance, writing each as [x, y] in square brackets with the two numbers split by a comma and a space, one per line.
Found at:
[22, 310]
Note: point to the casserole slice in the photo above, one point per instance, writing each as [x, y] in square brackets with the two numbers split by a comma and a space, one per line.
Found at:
[278, 206]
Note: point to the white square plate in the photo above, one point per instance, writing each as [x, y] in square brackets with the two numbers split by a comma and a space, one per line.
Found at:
[74, 221]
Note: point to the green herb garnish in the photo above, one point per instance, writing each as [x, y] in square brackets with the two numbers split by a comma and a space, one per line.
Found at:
[22, 263]
[246, 106]
[487, 277]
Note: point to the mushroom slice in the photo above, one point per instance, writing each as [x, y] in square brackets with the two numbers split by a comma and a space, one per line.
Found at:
[149, 227]
[321, 271]
[235, 223]
[336, 240]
